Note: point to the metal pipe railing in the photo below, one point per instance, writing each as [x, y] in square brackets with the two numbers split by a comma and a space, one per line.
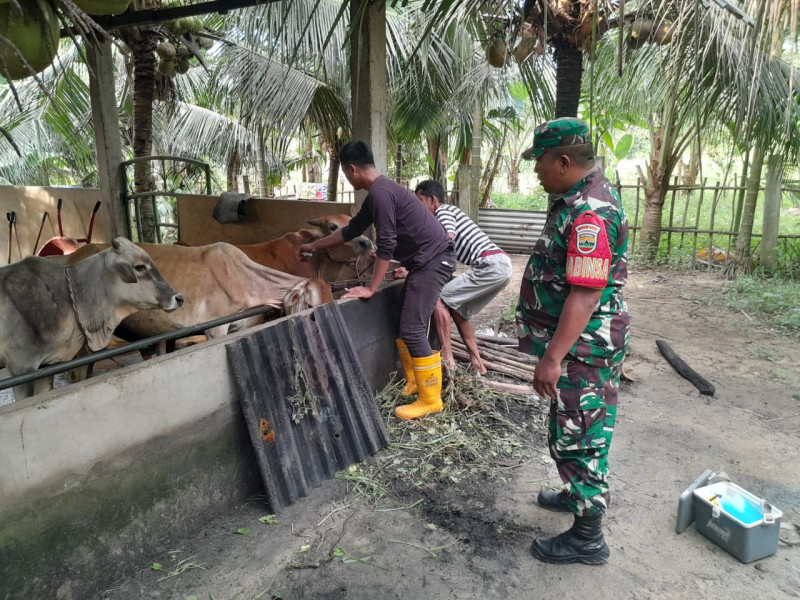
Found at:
[138, 345]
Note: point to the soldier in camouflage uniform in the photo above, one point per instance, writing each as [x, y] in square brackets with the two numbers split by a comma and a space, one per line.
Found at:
[571, 314]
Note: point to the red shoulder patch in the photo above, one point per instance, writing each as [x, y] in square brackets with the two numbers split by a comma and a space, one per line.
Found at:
[588, 254]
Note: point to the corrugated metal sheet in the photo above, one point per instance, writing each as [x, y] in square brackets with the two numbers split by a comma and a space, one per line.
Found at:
[309, 409]
[513, 230]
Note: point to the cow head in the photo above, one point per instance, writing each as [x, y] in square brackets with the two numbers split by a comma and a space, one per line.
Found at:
[134, 266]
[358, 246]
[307, 294]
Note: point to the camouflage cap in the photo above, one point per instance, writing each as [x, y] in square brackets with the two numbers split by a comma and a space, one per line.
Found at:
[565, 131]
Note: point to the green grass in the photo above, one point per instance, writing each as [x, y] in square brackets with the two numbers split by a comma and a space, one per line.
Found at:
[774, 300]
[519, 201]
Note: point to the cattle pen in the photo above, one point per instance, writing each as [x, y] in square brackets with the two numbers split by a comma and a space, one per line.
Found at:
[96, 473]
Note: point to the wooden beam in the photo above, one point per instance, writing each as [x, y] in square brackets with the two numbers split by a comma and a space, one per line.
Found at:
[161, 15]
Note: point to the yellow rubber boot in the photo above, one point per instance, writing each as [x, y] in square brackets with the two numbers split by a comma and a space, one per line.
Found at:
[405, 358]
[428, 372]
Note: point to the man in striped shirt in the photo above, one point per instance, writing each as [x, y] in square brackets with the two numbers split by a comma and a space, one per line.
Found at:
[489, 272]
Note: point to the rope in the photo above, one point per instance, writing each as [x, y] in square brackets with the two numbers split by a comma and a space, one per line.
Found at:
[72, 302]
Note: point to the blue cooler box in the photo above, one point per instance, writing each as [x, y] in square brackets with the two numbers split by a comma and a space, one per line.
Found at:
[741, 523]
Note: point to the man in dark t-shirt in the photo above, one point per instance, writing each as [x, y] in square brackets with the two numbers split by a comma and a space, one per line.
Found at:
[409, 233]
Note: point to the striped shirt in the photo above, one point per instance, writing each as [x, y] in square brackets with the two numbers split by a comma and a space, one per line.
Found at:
[470, 241]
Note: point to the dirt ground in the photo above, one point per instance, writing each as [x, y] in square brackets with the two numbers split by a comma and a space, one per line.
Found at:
[468, 536]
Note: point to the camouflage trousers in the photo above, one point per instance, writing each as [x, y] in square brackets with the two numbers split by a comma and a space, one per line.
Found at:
[581, 423]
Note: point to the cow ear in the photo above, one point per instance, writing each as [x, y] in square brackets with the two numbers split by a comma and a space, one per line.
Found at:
[125, 271]
[315, 222]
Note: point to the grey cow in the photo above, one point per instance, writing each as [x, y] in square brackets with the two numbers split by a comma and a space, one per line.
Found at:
[49, 312]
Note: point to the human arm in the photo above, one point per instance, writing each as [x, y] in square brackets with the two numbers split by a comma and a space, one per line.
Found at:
[400, 273]
[578, 309]
[379, 270]
[334, 239]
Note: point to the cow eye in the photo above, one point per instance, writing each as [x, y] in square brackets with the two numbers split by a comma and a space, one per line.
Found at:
[140, 268]
[334, 226]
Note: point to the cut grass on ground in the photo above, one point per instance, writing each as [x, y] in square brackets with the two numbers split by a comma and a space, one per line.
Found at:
[481, 432]
[773, 300]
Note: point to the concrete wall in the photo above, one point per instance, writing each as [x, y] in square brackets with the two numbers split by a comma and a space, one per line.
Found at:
[112, 470]
[30, 203]
[265, 219]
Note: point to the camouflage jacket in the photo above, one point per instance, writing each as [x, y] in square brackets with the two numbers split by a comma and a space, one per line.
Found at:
[544, 286]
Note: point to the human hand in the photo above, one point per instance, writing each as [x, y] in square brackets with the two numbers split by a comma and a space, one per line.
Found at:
[400, 273]
[361, 291]
[545, 377]
[305, 252]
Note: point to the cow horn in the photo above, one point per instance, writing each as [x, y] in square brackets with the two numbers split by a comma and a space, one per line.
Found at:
[115, 242]
[315, 222]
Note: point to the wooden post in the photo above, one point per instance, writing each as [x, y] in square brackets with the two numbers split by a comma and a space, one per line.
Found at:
[106, 133]
[368, 82]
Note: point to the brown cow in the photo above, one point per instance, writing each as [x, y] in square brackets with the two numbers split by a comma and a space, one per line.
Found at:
[216, 280]
[282, 253]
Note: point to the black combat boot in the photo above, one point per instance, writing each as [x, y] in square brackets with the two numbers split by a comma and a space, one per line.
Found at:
[583, 542]
[555, 501]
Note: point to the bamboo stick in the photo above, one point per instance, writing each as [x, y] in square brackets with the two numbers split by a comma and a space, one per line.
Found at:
[511, 388]
[509, 351]
[497, 357]
[496, 339]
[492, 366]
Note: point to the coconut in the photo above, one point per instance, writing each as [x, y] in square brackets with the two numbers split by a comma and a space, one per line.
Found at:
[166, 67]
[33, 32]
[103, 7]
[524, 49]
[183, 65]
[641, 29]
[205, 43]
[183, 50]
[664, 32]
[497, 52]
[194, 24]
[166, 51]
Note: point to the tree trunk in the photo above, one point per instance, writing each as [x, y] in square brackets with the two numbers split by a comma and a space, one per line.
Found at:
[234, 168]
[312, 168]
[737, 218]
[491, 170]
[261, 167]
[569, 72]
[333, 176]
[513, 174]
[144, 76]
[437, 151]
[750, 202]
[772, 213]
[398, 163]
[690, 174]
[654, 195]
[651, 220]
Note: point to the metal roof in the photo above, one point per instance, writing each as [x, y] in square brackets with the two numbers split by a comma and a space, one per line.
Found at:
[309, 408]
[515, 231]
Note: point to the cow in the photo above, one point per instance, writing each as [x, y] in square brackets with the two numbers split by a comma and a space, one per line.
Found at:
[217, 280]
[49, 312]
[329, 265]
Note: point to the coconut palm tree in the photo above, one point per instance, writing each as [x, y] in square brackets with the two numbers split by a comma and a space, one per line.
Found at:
[712, 73]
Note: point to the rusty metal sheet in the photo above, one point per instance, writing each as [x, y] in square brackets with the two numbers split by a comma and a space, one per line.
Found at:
[309, 409]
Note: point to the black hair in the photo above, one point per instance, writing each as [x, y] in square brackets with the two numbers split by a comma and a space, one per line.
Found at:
[580, 154]
[431, 187]
[356, 153]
